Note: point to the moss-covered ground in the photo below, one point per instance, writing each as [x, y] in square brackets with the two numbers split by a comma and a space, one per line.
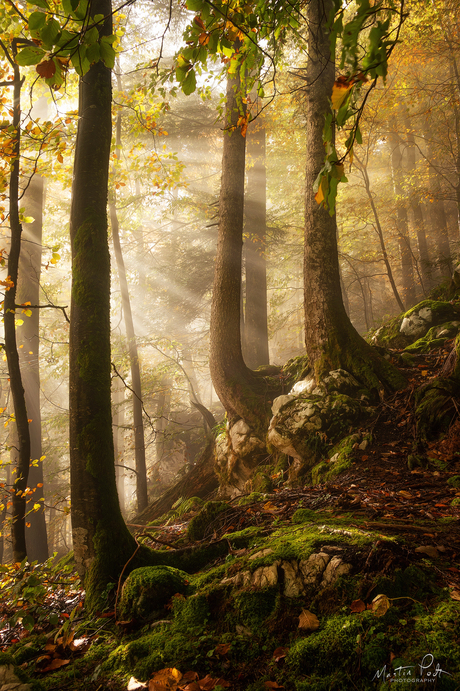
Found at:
[384, 501]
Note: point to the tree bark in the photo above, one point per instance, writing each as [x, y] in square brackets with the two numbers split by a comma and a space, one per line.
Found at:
[102, 543]
[28, 336]
[234, 383]
[11, 350]
[255, 315]
[407, 269]
[330, 339]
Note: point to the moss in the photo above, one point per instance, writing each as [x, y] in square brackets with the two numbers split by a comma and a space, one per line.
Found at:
[251, 498]
[202, 522]
[324, 650]
[245, 537]
[303, 516]
[341, 458]
[454, 481]
[147, 590]
[431, 340]
[190, 613]
[254, 607]
[262, 482]
[434, 407]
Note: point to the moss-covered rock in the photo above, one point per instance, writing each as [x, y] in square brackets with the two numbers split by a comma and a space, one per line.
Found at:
[201, 523]
[148, 589]
[434, 338]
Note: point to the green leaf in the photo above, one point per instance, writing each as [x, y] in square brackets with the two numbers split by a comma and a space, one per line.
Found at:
[40, 3]
[107, 54]
[91, 36]
[36, 20]
[68, 41]
[50, 32]
[30, 55]
[189, 83]
[94, 54]
[358, 135]
[28, 622]
[195, 5]
[79, 61]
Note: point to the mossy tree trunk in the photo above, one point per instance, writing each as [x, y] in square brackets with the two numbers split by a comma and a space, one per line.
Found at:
[234, 382]
[331, 340]
[102, 542]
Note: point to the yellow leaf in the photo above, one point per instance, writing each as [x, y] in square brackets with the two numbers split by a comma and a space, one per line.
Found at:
[380, 605]
[339, 94]
[19, 322]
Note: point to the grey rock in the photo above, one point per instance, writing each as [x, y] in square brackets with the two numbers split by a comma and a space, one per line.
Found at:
[313, 567]
[335, 568]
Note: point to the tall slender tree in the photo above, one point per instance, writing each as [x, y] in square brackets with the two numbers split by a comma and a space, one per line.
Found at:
[96, 515]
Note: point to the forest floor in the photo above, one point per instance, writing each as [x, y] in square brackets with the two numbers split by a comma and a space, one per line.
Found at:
[411, 519]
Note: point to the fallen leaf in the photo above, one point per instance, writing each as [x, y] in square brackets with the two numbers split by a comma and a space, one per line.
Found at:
[380, 605]
[134, 685]
[166, 679]
[208, 683]
[308, 621]
[272, 685]
[357, 606]
[279, 654]
[405, 495]
[193, 686]
[55, 664]
[189, 676]
[455, 594]
[223, 648]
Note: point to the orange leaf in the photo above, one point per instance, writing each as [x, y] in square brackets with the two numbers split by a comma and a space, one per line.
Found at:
[165, 680]
[223, 648]
[357, 606]
[272, 685]
[46, 68]
[279, 654]
[208, 683]
[340, 92]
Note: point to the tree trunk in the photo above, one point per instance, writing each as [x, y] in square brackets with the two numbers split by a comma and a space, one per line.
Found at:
[438, 213]
[417, 213]
[102, 542]
[11, 350]
[379, 230]
[28, 337]
[407, 269]
[331, 340]
[138, 422]
[255, 316]
[233, 381]
[118, 393]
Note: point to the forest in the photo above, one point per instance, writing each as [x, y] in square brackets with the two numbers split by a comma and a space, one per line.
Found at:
[230, 380]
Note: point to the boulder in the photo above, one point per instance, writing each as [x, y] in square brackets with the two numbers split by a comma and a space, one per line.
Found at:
[148, 589]
[328, 411]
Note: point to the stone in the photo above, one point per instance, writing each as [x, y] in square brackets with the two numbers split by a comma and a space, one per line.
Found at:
[243, 441]
[282, 401]
[415, 325]
[293, 585]
[265, 576]
[7, 675]
[313, 567]
[335, 568]
[303, 386]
